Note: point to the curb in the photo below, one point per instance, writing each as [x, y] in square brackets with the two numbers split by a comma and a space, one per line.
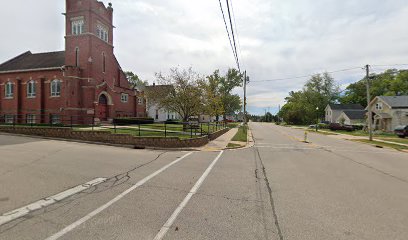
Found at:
[250, 141]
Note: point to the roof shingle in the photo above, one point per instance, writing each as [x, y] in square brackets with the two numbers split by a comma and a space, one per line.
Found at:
[28, 61]
[355, 114]
[395, 101]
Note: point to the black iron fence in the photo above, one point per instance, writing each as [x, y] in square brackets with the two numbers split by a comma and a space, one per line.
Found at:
[88, 123]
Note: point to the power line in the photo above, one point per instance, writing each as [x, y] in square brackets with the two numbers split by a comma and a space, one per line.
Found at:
[308, 75]
[236, 31]
[233, 35]
[228, 33]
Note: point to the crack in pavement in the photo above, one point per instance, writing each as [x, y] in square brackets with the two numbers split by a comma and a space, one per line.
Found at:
[202, 194]
[271, 198]
[94, 190]
[364, 165]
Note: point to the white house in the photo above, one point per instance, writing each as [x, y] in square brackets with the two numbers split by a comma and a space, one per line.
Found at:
[333, 111]
[152, 107]
[389, 112]
[352, 117]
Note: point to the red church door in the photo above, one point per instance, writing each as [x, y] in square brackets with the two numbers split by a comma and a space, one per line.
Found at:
[103, 108]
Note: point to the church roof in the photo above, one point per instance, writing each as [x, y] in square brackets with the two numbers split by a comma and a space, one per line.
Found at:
[30, 61]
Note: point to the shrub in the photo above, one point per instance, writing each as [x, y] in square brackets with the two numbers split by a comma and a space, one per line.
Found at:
[132, 121]
[172, 121]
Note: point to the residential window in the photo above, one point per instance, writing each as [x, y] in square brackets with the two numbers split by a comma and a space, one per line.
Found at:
[124, 97]
[102, 32]
[56, 88]
[157, 114]
[31, 118]
[76, 57]
[140, 101]
[9, 90]
[31, 89]
[9, 119]
[55, 119]
[78, 27]
[379, 106]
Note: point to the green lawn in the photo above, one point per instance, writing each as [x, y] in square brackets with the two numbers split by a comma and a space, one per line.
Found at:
[233, 125]
[398, 140]
[233, 145]
[381, 144]
[147, 133]
[241, 135]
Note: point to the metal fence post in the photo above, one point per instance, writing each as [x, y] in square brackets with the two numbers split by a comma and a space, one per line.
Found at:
[14, 121]
[165, 130]
[208, 130]
[191, 131]
[114, 127]
[201, 129]
[139, 129]
[93, 123]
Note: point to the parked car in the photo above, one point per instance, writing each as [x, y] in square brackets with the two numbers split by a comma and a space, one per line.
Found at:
[340, 127]
[402, 131]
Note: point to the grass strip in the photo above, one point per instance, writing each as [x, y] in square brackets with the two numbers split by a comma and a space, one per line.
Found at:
[381, 144]
[241, 135]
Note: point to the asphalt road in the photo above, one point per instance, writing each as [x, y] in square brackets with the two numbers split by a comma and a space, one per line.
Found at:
[279, 189]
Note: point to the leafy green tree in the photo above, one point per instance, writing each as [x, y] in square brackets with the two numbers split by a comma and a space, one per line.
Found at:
[185, 95]
[389, 83]
[220, 100]
[230, 103]
[134, 80]
[303, 107]
[212, 100]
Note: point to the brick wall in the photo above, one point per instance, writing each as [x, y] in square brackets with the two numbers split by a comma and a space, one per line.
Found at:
[106, 137]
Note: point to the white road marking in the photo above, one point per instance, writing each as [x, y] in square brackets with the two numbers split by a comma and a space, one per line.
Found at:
[111, 202]
[193, 191]
[21, 212]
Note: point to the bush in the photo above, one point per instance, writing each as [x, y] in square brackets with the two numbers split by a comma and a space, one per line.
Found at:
[132, 121]
[172, 121]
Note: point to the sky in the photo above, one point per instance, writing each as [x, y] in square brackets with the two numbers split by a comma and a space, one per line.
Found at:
[276, 39]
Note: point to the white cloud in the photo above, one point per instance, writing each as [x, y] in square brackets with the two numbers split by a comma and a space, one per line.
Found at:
[278, 38]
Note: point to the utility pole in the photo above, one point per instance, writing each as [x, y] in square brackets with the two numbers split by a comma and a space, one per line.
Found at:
[370, 113]
[245, 98]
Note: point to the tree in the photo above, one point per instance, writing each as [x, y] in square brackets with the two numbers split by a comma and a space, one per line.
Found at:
[134, 80]
[301, 106]
[392, 82]
[212, 100]
[184, 97]
[230, 103]
[219, 98]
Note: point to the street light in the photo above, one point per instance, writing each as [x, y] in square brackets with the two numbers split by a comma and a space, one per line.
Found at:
[317, 118]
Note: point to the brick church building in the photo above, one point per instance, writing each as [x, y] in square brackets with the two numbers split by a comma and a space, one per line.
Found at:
[83, 83]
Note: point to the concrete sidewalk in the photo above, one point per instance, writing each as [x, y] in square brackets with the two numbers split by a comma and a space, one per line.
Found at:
[221, 142]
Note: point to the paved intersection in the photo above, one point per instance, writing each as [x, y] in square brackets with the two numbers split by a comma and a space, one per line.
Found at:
[279, 189]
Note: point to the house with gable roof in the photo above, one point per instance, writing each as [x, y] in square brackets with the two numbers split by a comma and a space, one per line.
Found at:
[389, 112]
[333, 112]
